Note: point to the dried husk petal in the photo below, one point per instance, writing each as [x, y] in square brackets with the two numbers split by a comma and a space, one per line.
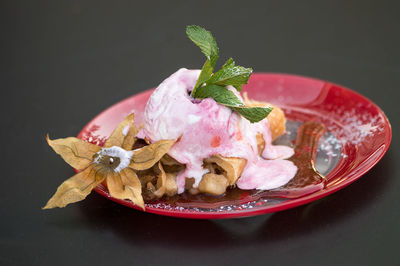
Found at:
[161, 182]
[171, 165]
[118, 138]
[76, 152]
[148, 178]
[125, 185]
[171, 188]
[213, 184]
[166, 182]
[77, 187]
[146, 157]
[151, 188]
[232, 166]
[169, 161]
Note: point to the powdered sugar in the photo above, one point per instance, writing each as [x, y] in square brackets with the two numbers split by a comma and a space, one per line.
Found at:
[354, 126]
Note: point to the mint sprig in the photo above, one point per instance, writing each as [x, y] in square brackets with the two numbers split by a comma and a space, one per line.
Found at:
[211, 85]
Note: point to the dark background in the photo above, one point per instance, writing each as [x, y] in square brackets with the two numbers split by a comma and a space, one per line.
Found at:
[62, 62]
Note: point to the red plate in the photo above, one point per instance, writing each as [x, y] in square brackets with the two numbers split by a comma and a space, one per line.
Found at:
[360, 128]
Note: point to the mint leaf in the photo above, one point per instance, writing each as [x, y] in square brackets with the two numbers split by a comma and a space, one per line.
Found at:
[205, 74]
[238, 87]
[231, 75]
[229, 63]
[204, 39]
[220, 94]
[253, 114]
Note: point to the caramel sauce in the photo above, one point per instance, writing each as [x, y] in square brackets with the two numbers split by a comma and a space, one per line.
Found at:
[307, 179]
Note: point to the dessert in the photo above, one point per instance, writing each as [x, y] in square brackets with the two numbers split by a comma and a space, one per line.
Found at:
[199, 135]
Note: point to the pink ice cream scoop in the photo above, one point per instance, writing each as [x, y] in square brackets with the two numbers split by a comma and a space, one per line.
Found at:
[204, 128]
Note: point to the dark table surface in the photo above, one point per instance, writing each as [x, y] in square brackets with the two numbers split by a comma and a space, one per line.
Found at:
[62, 62]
